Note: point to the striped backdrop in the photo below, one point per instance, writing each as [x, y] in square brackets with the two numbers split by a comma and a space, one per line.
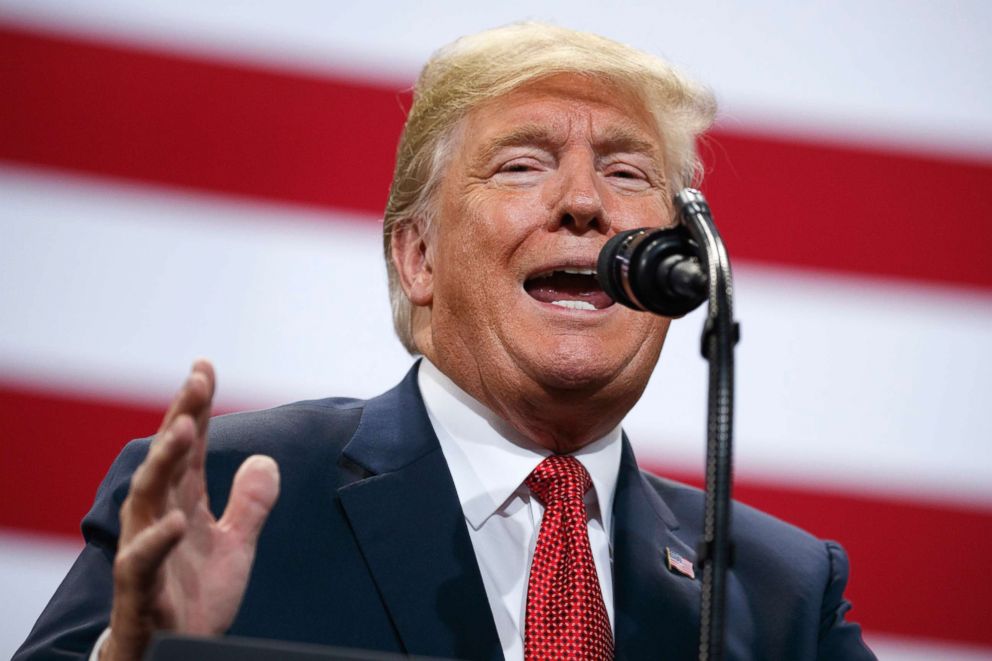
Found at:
[181, 178]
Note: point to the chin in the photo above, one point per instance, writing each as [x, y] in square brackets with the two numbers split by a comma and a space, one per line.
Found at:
[576, 367]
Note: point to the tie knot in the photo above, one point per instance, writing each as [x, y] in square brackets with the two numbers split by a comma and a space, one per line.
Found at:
[559, 478]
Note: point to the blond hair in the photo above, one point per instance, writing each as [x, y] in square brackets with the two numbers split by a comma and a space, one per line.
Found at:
[484, 66]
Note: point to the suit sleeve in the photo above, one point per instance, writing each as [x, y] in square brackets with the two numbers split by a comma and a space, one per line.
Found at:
[838, 638]
[80, 609]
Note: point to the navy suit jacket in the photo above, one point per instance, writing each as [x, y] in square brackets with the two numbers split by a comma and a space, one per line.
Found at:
[367, 547]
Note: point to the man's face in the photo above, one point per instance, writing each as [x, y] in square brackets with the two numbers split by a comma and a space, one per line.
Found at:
[539, 180]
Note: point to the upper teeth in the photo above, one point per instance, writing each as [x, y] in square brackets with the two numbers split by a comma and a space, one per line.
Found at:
[570, 269]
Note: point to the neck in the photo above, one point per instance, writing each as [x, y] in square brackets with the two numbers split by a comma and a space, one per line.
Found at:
[561, 420]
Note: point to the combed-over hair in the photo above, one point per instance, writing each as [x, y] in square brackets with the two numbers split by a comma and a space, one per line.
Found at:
[484, 66]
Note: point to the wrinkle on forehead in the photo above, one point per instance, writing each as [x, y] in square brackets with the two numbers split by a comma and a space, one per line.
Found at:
[569, 99]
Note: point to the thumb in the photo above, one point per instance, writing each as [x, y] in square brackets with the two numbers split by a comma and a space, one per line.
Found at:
[254, 492]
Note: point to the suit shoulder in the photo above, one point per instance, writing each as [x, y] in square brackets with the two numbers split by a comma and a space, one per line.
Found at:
[324, 422]
[266, 431]
[786, 586]
[756, 533]
[295, 435]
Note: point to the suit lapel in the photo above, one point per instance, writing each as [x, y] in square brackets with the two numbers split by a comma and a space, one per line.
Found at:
[656, 610]
[411, 530]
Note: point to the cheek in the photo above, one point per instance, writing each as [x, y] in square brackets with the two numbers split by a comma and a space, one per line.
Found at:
[494, 223]
[468, 255]
[643, 333]
[648, 212]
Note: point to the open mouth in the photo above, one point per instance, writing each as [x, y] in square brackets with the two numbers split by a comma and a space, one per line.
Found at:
[567, 287]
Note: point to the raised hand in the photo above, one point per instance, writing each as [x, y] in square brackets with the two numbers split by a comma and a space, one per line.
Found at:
[177, 567]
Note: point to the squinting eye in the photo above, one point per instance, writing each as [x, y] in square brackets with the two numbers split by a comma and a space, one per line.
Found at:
[522, 164]
[621, 173]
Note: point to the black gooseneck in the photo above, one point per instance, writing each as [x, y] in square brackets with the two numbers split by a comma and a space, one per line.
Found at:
[670, 272]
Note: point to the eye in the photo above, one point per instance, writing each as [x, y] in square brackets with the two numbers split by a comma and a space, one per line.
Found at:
[520, 165]
[624, 172]
[627, 177]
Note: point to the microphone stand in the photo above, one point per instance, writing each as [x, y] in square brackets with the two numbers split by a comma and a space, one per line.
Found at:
[720, 334]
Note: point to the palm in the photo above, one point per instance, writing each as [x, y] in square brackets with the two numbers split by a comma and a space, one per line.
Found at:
[205, 576]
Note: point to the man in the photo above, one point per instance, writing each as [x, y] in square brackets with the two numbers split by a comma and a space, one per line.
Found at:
[488, 506]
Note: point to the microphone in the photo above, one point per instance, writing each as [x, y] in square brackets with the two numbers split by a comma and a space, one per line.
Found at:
[653, 270]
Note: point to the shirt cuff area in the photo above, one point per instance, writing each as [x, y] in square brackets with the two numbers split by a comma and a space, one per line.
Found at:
[95, 654]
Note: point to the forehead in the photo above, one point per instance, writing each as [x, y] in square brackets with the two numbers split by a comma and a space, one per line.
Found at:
[555, 107]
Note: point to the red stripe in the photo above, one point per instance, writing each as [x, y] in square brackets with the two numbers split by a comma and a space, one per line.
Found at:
[851, 209]
[918, 569]
[54, 451]
[242, 129]
[168, 119]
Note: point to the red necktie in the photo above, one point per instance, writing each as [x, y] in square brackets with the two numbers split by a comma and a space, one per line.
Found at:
[566, 616]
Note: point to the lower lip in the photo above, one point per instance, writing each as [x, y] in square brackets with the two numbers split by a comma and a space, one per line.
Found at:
[571, 311]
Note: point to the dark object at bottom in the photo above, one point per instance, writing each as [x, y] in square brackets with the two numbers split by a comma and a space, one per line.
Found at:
[167, 647]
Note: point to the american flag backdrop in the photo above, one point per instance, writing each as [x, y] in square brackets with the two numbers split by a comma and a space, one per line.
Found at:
[183, 178]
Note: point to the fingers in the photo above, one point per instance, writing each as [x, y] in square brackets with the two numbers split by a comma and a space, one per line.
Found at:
[202, 384]
[254, 492]
[137, 574]
[137, 563]
[194, 397]
[166, 489]
[151, 482]
[178, 452]
[193, 401]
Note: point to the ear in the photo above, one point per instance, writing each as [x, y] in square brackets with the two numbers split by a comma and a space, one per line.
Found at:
[411, 257]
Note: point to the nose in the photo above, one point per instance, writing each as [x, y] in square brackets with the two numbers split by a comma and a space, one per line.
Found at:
[579, 204]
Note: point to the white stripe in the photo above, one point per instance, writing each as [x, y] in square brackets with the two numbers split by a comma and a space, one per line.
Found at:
[861, 384]
[910, 72]
[118, 289]
[867, 385]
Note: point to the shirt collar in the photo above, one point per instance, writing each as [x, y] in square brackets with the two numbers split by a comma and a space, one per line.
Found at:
[489, 460]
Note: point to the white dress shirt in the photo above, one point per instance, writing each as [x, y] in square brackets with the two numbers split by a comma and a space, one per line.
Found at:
[489, 462]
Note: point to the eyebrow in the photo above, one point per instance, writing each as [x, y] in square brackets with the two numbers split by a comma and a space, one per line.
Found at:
[523, 135]
[627, 139]
[615, 139]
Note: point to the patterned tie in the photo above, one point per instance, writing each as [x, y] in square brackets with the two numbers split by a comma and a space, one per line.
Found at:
[566, 616]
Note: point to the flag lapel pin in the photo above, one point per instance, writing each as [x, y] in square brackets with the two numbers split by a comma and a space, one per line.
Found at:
[676, 563]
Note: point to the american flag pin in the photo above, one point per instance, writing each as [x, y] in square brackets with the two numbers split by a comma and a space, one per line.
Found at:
[677, 563]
